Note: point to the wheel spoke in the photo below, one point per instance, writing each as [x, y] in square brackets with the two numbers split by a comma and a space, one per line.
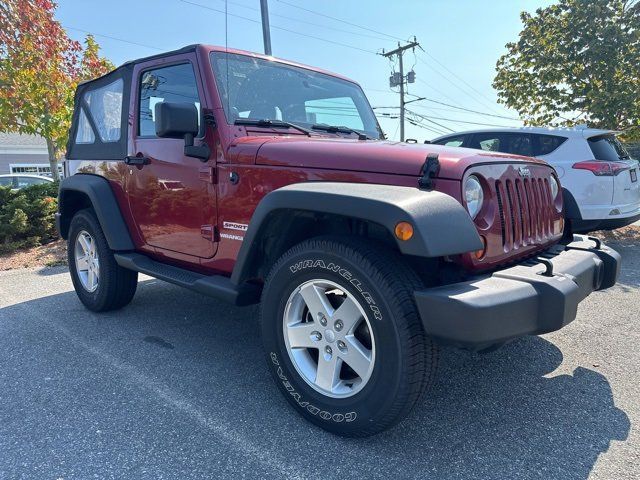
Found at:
[85, 244]
[91, 279]
[82, 263]
[316, 300]
[349, 313]
[328, 372]
[300, 335]
[357, 356]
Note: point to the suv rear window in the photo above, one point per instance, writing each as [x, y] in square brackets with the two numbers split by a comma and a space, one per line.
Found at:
[608, 148]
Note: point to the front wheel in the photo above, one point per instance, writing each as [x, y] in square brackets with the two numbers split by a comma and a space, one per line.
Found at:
[342, 335]
[100, 283]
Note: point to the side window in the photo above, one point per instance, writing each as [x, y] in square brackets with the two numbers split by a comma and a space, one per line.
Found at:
[176, 83]
[492, 142]
[519, 144]
[105, 108]
[6, 181]
[546, 144]
[456, 141]
[28, 181]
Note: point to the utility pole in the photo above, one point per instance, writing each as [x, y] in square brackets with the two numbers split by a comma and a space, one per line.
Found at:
[399, 79]
[266, 32]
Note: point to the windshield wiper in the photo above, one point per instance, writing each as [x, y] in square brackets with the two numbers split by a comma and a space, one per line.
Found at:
[271, 123]
[339, 129]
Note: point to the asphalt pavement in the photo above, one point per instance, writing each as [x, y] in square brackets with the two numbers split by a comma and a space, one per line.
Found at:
[175, 386]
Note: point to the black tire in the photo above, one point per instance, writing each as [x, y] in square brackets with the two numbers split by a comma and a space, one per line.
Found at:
[405, 358]
[116, 285]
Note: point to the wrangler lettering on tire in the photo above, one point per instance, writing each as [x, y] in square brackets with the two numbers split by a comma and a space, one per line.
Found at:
[342, 334]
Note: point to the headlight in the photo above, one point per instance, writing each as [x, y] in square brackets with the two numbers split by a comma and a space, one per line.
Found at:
[473, 195]
[553, 185]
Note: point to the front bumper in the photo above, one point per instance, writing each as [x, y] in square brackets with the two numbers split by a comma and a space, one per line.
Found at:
[534, 297]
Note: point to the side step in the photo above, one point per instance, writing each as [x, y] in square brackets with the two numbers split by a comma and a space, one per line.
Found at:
[216, 286]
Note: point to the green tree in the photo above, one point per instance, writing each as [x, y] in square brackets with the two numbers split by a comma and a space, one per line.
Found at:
[40, 67]
[577, 61]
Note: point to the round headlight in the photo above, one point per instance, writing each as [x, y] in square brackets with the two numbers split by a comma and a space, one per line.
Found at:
[473, 195]
[553, 185]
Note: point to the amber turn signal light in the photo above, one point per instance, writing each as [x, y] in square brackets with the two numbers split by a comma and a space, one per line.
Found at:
[404, 231]
[479, 254]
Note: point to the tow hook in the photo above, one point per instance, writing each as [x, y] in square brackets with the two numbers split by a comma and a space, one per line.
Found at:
[596, 241]
[548, 272]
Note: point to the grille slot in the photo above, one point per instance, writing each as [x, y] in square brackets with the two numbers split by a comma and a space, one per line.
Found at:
[500, 210]
[525, 211]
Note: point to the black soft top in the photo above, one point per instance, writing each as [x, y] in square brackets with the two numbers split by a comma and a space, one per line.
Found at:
[91, 108]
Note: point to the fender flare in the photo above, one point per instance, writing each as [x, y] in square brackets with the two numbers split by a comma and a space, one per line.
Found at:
[103, 201]
[441, 224]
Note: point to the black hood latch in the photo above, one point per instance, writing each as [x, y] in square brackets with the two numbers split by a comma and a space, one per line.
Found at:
[429, 171]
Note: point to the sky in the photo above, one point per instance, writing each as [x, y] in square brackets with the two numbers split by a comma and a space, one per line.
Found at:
[461, 42]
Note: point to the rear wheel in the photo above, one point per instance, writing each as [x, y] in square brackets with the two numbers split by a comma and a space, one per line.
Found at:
[100, 283]
[342, 335]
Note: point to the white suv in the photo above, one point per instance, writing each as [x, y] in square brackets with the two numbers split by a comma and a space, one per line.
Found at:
[599, 178]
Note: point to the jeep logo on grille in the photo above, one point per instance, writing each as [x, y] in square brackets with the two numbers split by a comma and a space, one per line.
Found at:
[524, 172]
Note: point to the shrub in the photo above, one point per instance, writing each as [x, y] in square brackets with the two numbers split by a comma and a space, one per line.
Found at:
[27, 216]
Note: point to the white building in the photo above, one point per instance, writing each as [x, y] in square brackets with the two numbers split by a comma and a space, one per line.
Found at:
[24, 154]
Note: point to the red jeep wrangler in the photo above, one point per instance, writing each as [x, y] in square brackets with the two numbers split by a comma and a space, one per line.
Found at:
[257, 180]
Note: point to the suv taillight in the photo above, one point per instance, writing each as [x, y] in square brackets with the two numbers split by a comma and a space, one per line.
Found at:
[601, 168]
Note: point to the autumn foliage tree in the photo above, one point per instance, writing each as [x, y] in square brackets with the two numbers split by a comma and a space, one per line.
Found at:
[40, 67]
[577, 61]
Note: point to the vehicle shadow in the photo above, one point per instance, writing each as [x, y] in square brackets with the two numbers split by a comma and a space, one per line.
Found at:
[505, 415]
[499, 415]
[629, 278]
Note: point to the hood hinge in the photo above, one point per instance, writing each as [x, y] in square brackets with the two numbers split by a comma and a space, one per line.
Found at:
[429, 171]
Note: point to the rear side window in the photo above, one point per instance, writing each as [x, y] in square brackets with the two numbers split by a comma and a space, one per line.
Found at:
[516, 143]
[546, 144]
[608, 148]
[176, 84]
[105, 108]
[451, 141]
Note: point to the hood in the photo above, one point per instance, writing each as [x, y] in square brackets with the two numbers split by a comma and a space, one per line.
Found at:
[375, 156]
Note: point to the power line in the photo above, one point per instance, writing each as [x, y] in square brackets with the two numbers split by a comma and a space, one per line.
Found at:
[459, 121]
[206, 7]
[102, 35]
[475, 98]
[307, 22]
[425, 127]
[456, 76]
[470, 110]
[315, 12]
[476, 112]
[340, 20]
[431, 120]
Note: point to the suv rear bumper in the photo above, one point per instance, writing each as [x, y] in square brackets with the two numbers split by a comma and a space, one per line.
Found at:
[519, 300]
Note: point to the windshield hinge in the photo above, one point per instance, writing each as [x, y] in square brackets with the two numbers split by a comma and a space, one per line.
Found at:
[429, 171]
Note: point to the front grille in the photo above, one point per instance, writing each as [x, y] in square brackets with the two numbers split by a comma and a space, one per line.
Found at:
[525, 209]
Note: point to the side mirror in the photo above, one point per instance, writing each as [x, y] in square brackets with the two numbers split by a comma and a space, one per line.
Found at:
[180, 120]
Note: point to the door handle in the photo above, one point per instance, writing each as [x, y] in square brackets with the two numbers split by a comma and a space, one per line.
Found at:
[136, 160]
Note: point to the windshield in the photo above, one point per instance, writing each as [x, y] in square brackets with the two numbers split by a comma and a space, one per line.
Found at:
[258, 89]
[608, 147]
